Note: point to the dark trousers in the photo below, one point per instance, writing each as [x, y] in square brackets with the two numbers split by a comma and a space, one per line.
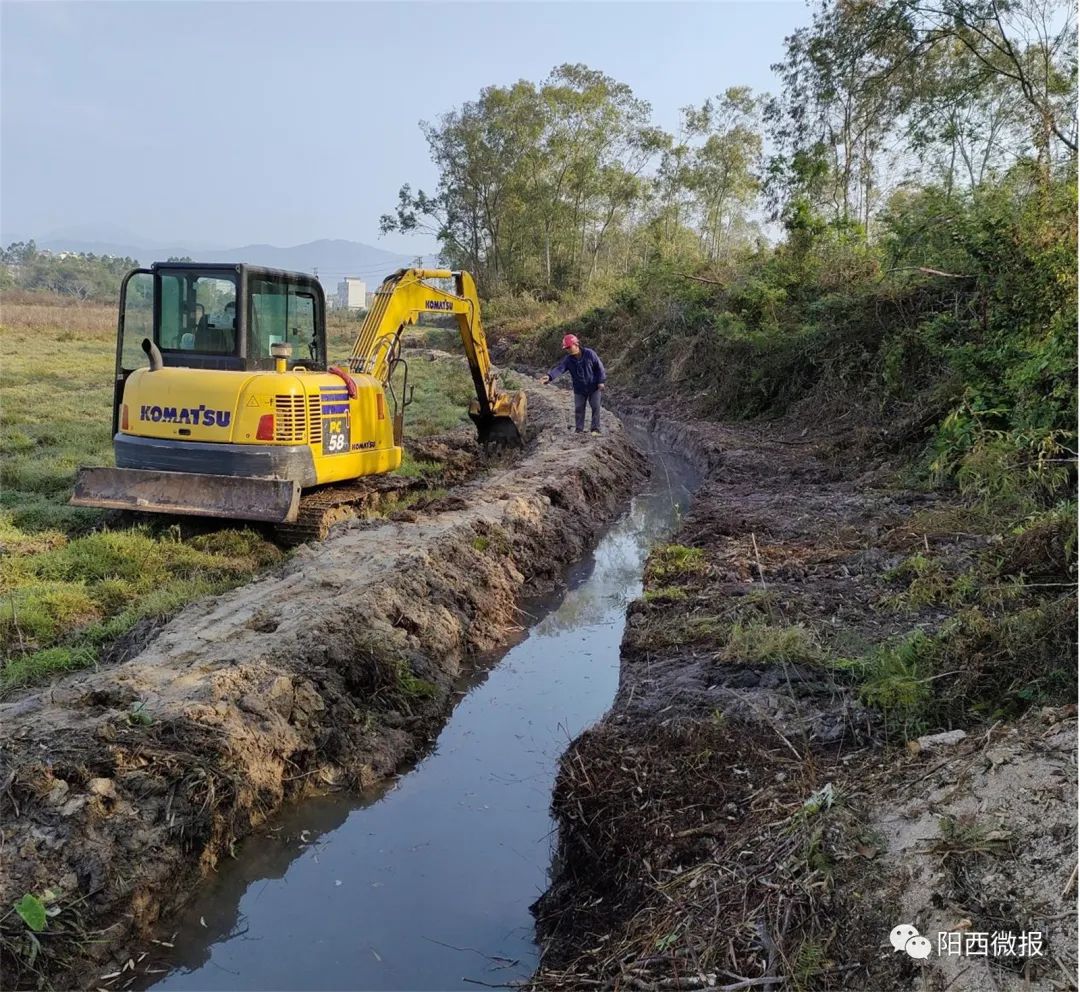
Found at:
[593, 399]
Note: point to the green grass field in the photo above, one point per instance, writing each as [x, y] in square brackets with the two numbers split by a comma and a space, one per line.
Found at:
[70, 586]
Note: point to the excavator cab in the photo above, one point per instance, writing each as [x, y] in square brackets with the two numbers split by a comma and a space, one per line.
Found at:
[218, 316]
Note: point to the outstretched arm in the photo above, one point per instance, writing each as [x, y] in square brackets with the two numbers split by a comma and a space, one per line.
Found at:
[557, 371]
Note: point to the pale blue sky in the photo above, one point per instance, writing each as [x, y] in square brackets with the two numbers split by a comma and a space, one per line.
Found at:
[231, 123]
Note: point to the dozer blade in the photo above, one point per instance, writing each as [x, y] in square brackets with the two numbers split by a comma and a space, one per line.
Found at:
[188, 493]
[506, 422]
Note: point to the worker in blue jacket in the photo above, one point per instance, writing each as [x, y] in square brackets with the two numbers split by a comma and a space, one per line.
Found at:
[588, 373]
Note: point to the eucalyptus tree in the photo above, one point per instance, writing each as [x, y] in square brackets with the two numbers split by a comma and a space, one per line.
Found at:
[534, 179]
[843, 84]
[965, 86]
[722, 172]
[965, 122]
[1025, 50]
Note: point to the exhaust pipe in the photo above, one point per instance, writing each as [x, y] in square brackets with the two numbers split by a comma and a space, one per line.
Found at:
[153, 353]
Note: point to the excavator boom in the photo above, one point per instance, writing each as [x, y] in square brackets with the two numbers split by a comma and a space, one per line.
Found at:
[400, 301]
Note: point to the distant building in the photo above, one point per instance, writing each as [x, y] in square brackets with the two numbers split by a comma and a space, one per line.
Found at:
[351, 294]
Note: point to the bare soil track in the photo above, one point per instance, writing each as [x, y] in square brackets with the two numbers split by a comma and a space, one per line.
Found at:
[738, 820]
[121, 788]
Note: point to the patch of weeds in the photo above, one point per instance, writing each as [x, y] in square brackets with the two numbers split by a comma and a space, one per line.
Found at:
[137, 716]
[408, 688]
[998, 595]
[418, 498]
[667, 631]
[950, 519]
[17, 542]
[977, 667]
[37, 612]
[932, 585]
[668, 940]
[895, 678]
[929, 583]
[809, 961]
[965, 834]
[815, 855]
[670, 593]
[418, 468]
[820, 801]
[30, 668]
[390, 680]
[756, 642]
[672, 561]
[1041, 548]
[242, 547]
[425, 497]
[995, 667]
[495, 539]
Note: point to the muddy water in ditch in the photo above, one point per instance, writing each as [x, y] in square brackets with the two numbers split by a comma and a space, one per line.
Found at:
[428, 882]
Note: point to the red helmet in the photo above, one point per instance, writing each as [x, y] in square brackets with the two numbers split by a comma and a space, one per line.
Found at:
[570, 341]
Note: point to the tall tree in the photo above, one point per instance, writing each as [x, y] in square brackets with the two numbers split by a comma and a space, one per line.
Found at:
[532, 179]
[722, 172]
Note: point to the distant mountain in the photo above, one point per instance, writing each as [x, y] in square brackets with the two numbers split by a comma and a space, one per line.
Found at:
[333, 259]
[98, 231]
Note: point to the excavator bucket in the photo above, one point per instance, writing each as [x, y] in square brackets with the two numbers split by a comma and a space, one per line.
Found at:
[188, 494]
[506, 422]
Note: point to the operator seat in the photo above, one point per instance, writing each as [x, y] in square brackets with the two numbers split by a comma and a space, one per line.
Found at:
[210, 338]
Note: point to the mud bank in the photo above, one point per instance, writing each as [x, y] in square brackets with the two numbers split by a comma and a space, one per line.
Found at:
[123, 787]
[742, 818]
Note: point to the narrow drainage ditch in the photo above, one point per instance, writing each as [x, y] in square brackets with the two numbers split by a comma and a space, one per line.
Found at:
[426, 881]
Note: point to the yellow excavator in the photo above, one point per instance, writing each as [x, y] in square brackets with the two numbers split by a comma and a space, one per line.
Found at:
[224, 405]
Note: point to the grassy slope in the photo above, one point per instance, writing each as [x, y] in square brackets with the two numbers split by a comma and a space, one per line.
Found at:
[68, 586]
[965, 386]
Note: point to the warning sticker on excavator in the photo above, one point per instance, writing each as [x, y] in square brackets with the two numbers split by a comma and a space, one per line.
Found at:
[253, 401]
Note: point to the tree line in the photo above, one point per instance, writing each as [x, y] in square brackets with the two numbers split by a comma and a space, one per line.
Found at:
[83, 276]
[547, 187]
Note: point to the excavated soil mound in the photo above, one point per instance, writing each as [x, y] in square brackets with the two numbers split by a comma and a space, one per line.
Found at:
[122, 787]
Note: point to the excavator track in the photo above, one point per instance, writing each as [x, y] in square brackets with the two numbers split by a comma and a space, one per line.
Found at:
[320, 509]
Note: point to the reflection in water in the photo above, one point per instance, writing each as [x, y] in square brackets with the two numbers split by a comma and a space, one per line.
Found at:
[428, 882]
[624, 549]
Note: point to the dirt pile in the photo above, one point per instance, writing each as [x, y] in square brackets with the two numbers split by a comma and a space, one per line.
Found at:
[978, 837]
[122, 787]
[750, 814]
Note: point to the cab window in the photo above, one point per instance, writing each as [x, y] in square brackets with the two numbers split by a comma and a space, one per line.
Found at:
[198, 312]
[282, 313]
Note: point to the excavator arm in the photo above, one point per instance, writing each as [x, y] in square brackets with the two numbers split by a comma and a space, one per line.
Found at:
[400, 301]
